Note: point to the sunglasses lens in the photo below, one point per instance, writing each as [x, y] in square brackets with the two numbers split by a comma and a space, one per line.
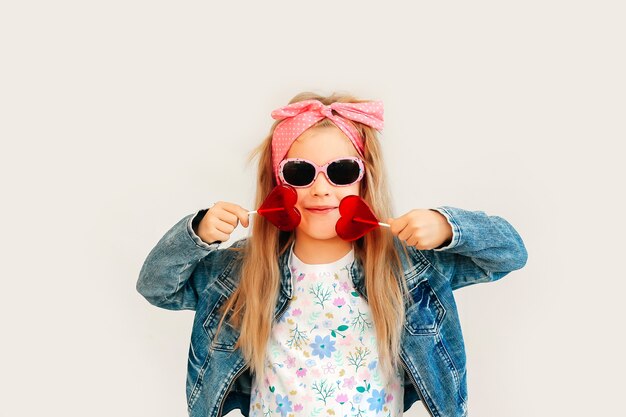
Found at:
[298, 173]
[344, 171]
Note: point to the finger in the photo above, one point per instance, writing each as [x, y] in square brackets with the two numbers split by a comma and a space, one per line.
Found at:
[412, 241]
[397, 225]
[226, 216]
[239, 212]
[221, 237]
[224, 227]
[244, 217]
[406, 233]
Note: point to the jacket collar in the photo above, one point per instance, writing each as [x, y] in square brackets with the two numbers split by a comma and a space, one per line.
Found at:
[356, 272]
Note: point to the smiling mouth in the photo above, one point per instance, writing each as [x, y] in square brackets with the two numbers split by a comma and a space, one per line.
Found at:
[321, 211]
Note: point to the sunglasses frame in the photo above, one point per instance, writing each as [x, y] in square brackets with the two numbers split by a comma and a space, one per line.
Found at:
[323, 169]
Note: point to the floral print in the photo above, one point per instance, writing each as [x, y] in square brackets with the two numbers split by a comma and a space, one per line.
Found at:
[323, 347]
[322, 354]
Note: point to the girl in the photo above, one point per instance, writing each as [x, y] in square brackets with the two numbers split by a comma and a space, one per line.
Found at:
[303, 323]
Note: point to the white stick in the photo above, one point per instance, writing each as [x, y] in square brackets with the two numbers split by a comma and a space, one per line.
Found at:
[384, 224]
[252, 212]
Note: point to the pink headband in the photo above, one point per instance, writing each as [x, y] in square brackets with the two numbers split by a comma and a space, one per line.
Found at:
[301, 115]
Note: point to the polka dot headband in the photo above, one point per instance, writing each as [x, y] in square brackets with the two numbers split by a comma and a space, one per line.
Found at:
[299, 116]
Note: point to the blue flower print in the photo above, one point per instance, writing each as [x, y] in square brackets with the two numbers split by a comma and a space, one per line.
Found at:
[377, 400]
[323, 347]
[283, 404]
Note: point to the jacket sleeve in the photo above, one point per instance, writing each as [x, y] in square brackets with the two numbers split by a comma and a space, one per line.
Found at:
[483, 248]
[168, 277]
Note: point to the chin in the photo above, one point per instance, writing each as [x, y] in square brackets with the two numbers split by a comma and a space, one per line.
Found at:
[329, 234]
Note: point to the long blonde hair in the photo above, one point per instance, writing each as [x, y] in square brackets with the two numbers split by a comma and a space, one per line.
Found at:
[253, 302]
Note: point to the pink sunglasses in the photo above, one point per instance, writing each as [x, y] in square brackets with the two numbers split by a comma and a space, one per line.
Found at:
[340, 172]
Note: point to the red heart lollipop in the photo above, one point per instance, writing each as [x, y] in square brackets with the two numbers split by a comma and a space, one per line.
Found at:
[279, 208]
[356, 218]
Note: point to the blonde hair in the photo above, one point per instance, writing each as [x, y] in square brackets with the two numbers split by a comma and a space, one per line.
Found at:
[253, 302]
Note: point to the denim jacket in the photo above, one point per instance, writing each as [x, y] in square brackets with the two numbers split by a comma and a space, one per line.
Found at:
[182, 272]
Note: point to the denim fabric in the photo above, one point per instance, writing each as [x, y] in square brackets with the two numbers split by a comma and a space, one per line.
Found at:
[184, 273]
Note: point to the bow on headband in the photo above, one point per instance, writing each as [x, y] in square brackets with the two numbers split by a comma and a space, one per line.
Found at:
[299, 116]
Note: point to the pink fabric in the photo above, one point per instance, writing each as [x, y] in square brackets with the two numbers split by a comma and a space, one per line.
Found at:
[298, 117]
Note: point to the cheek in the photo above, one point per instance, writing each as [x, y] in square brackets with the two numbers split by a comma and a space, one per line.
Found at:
[300, 199]
[353, 189]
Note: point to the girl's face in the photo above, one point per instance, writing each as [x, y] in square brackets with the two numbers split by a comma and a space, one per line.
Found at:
[321, 145]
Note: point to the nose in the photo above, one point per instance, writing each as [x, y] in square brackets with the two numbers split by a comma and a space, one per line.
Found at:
[320, 185]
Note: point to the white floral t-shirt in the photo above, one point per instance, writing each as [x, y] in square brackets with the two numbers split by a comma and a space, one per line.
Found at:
[322, 357]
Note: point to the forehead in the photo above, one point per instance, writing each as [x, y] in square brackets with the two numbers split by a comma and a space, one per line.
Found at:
[321, 145]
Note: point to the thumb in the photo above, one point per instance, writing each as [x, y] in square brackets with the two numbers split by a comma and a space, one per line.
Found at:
[244, 217]
[390, 222]
[246, 223]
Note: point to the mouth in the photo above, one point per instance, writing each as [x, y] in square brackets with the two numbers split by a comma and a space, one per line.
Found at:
[320, 210]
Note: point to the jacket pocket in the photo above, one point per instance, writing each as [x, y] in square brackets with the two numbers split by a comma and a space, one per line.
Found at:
[425, 315]
[228, 335]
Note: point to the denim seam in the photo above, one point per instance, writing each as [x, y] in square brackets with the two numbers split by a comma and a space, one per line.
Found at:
[232, 373]
[424, 395]
[195, 392]
[431, 264]
[436, 269]
[455, 372]
[214, 345]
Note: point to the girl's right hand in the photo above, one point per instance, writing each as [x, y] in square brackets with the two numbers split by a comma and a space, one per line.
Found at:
[220, 221]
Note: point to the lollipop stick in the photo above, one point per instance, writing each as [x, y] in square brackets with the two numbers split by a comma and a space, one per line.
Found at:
[360, 220]
[279, 208]
[267, 210]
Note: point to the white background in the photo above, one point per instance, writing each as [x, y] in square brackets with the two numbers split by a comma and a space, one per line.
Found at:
[118, 118]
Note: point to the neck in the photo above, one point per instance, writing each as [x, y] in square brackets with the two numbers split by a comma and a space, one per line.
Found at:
[316, 251]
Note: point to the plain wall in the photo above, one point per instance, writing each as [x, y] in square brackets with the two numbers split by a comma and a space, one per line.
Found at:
[119, 118]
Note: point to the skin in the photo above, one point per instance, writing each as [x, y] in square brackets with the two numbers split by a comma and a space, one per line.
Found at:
[316, 239]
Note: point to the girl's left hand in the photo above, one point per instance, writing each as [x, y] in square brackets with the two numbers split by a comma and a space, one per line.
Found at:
[422, 228]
